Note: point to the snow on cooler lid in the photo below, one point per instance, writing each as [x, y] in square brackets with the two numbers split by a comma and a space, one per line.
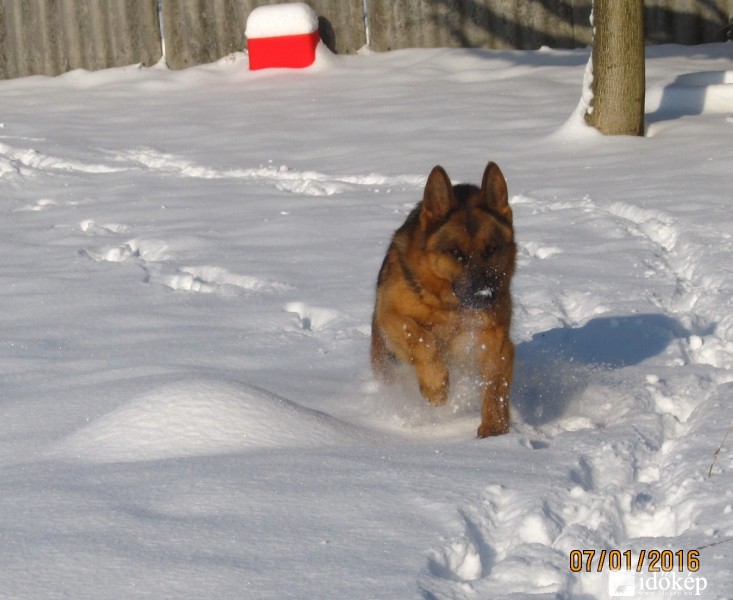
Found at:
[276, 20]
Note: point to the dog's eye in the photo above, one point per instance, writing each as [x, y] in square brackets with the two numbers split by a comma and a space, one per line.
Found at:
[459, 255]
[489, 250]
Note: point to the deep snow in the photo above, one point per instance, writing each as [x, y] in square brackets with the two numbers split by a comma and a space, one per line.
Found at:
[187, 409]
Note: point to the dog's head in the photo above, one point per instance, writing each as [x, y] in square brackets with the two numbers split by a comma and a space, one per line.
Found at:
[469, 237]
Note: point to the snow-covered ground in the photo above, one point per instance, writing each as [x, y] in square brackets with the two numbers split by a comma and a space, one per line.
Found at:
[186, 289]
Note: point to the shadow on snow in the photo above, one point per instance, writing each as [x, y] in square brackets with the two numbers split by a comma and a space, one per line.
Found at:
[556, 364]
[693, 94]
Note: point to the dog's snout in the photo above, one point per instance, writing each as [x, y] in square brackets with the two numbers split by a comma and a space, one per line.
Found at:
[477, 290]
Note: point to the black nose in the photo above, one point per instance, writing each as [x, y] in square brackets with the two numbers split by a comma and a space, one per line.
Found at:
[477, 293]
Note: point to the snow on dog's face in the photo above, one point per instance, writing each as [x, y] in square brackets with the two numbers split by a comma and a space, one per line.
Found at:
[469, 237]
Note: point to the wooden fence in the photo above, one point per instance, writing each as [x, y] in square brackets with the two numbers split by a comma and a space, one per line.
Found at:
[49, 37]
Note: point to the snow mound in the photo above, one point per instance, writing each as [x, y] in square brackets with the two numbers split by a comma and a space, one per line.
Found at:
[294, 18]
[690, 94]
[707, 92]
[198, 418]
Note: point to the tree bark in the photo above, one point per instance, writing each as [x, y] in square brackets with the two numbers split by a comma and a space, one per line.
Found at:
[618, 87]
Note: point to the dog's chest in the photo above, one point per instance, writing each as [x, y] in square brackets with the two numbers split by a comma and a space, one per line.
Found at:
[460, 334]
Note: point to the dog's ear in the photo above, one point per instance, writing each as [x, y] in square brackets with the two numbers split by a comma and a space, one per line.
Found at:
[438, 199]
[494, 192]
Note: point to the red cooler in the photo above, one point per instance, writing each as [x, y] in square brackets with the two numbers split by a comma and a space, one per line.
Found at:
[282, 36]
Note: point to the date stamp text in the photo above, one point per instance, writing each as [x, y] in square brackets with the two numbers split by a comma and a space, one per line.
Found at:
[646, 561]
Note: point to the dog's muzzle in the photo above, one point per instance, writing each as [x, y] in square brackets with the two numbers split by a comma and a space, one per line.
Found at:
[477, 293]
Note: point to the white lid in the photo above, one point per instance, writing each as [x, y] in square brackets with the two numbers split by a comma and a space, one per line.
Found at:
[275, 20]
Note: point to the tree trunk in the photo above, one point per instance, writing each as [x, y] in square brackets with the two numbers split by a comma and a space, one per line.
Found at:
[617, 107]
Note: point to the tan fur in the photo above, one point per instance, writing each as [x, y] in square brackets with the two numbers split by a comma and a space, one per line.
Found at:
[443, 293]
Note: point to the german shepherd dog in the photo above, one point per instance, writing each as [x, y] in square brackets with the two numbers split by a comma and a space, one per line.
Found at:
[443, 293]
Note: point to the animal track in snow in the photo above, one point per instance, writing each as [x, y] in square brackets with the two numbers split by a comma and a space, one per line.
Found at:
[145, 250]
[683, 260]
[656, 226]
[209, 279]
[310, 183]
[38, 205]
[467, 558]
[155, 259]
[538, 250]
[311, 318]
[502, 532]
[92, 228]
[27, 160]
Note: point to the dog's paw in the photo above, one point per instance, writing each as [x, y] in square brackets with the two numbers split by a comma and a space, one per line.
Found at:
[491, 429]
[435, 392]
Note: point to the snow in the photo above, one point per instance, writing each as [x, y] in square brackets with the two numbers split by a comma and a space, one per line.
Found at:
[276, 20]
[197, 418]
[187, 408]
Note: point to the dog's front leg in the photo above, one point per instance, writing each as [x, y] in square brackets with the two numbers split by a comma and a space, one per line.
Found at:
[415, 344]
[496, 364]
